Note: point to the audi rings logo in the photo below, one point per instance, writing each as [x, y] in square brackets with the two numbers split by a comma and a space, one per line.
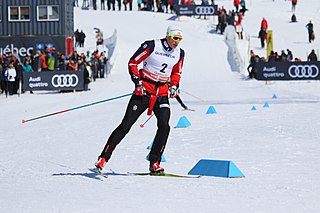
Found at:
[303, 71]
[67, 80]
[201, 10]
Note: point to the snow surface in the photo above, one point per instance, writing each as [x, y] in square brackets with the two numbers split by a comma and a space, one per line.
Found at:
[44, 164]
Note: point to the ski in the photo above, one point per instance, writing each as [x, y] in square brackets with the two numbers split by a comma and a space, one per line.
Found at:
[162, 174]
[98, 172]
[103, 175]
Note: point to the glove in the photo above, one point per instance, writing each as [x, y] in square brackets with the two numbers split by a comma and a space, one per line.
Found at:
[174, 91]
[139, 90]
[135, 79]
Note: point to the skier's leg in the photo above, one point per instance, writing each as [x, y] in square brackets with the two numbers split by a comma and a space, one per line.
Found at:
[162, 113]
[136, 106]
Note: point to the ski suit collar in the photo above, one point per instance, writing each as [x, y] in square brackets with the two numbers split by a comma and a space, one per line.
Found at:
[165, 44]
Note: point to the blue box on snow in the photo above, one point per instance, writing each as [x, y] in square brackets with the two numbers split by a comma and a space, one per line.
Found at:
[217, 168]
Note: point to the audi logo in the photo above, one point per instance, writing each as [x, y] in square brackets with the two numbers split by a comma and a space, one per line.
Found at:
[303, 71]
[201, 10]
[67, 80]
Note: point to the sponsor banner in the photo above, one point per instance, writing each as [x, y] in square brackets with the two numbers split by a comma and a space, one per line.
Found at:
[190, 10]
[288, 71]
[26, 45]
[53, 80]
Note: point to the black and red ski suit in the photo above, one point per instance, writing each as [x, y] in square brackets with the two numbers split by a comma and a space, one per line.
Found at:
[156, 98]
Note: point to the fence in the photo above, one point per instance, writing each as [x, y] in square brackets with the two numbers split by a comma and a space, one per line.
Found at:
[53, 80]
[276, 71]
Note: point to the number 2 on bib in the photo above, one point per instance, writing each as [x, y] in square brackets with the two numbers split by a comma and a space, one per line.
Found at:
[164, 66]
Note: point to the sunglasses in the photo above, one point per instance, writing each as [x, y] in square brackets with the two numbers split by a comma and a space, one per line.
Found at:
[176, 37]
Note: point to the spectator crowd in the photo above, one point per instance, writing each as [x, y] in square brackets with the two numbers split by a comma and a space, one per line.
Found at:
[232, 17]
[275, 57]
[93, 65]
[145, 5]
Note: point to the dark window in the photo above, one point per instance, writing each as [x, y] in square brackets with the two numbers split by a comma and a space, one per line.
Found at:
[54, 13]
[42, 13]
[24, 13]
[14, 14]
[19, 13]
[48, 13]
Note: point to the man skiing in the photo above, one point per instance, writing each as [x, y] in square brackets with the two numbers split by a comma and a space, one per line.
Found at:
[162, 62]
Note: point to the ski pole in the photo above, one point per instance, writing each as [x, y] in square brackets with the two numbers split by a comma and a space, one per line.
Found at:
[78, 107]
[191, 95]
[142, 125]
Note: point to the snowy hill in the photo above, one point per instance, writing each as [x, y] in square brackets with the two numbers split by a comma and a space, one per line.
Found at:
[44, 164]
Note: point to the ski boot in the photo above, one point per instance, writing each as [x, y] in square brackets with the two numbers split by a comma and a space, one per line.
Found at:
[156, 168]
[100, 163]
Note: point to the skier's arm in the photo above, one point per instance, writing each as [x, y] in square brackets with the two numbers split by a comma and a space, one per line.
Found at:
[142, 53]
[175, 76]
[177, 70]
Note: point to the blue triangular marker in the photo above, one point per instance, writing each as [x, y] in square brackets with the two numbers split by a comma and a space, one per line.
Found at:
[217, 168]
[234, 171]
[274, 96]
[183, 122]
[163, 159]
[266, 105]
[211, 110]
[253, 108]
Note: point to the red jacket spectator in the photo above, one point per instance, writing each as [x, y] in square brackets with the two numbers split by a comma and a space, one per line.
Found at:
[72, 66]
[240, 17]
[236, 3]
[222, 9]
[294, 3]
[44, 65]
[264, 24]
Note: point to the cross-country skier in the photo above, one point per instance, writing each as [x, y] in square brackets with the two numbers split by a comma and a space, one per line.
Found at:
[162, 61]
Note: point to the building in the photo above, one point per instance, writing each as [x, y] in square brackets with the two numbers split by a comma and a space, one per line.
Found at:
[28, 25]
